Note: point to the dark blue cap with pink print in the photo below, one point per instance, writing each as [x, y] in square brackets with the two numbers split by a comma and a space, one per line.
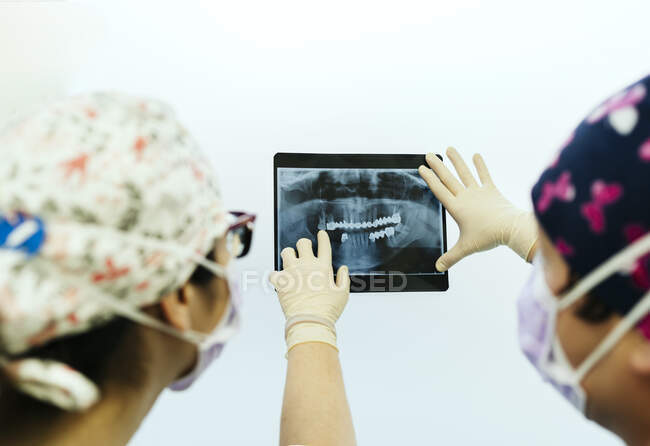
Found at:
[594, 200]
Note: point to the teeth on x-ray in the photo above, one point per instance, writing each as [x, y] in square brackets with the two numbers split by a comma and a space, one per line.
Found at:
[388, 232]
[333, 225]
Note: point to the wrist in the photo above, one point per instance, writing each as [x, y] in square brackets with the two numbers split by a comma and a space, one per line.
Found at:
[309, 331]
[522, 234]
[532, 251]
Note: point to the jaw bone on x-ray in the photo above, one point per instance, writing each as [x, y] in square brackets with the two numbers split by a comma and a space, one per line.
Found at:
[378, 220]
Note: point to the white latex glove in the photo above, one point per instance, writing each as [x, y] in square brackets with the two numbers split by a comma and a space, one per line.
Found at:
[312, 302]
[486, 219]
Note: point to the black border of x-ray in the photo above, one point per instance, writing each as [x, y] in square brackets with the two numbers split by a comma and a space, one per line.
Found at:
[425, 282]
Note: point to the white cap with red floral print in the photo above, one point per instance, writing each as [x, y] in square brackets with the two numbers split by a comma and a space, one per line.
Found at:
[82, 180]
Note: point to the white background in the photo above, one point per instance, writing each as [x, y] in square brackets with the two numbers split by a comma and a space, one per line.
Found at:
[509, 79]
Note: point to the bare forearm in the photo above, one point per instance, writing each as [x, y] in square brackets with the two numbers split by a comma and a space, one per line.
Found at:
[315, 410]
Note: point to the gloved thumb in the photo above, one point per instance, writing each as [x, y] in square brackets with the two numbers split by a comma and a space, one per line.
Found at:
[343, 278]
[281, 281]
[450, 258]
[273, 278]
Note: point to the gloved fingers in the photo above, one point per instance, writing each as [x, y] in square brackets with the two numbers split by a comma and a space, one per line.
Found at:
[450, 258]
[436, 186]
[288, 257]
[445, 175]
[305, 250]
[481, 168]
[461, 167]
[343, 278]
[324, 247]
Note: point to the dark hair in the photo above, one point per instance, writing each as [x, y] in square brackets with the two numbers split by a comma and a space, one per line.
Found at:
[202, 275]
[90, 352]
[87, 352]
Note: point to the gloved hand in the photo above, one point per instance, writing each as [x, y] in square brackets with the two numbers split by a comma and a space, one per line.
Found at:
[485, 217]
[311, 301]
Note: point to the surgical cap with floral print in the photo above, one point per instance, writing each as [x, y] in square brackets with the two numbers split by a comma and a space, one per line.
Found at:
[93, 191]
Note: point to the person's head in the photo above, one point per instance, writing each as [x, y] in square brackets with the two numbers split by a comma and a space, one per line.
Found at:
[592, 204]
[114, 247]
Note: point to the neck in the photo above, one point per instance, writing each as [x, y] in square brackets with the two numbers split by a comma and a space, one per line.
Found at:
[631, 423]
[128, 393]
[637, 436]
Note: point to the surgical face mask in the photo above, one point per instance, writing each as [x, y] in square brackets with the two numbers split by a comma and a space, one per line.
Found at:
[538, 308]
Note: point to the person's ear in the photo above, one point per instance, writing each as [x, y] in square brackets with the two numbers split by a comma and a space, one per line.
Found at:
[176, 308]
[640, 358]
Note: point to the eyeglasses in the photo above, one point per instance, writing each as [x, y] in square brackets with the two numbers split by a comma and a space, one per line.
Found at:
[239, 234]
[237, 238]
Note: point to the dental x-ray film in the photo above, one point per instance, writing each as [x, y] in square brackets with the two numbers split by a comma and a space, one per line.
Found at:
[382, 219]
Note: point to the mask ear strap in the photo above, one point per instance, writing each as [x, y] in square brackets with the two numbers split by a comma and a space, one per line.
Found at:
[136, 315]
[611, 266]
[142, 318]
[635, 315]
[133, 313]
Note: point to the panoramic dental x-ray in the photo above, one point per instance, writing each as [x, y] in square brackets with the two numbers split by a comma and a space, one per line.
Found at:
[378, 220]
